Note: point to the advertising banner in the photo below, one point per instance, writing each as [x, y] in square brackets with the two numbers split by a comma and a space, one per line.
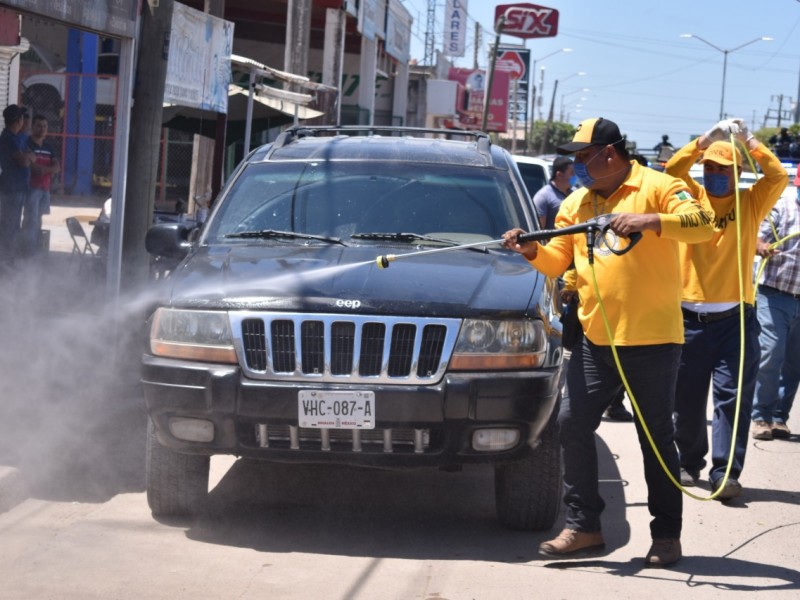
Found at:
[471, 104]
[199, 64]
[455, 27]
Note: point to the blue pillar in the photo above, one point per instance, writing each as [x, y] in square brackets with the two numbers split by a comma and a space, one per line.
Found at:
[80, 107]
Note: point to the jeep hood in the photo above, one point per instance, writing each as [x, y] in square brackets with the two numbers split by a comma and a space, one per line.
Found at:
[333, 278]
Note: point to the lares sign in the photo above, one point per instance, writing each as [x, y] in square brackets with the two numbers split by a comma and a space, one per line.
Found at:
[527, 20]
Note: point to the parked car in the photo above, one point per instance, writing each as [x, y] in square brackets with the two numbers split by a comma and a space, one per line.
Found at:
[282, 336]
[44, 88]
[535, 171]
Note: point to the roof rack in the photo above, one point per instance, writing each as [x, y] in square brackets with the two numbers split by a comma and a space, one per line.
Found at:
[298, 131]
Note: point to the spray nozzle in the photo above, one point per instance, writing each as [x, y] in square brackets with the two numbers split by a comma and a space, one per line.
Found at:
[384, 259]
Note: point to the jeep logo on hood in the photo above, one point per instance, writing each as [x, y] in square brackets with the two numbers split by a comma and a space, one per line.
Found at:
[354, 304]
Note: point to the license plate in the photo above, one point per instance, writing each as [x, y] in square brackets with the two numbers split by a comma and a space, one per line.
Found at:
[336, 409]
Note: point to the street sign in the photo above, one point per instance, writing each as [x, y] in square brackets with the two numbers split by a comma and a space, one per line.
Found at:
[513, 63]
[527, 21]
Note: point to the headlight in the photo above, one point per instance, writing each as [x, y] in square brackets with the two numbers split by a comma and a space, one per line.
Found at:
[490, 345]
[193, 335]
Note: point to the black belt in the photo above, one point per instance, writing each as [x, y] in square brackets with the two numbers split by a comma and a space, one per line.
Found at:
[712, 316]
[769, 287]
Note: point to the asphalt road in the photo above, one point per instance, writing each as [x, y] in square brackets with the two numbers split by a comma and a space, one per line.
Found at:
[288, 532]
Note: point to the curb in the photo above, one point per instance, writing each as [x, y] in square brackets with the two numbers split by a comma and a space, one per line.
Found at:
[12, 488]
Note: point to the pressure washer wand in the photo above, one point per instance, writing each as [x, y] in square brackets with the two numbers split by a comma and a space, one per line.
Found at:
[600, 224]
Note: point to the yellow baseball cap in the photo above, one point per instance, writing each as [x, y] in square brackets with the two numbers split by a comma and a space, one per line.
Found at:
[592, 132]
[722, 154]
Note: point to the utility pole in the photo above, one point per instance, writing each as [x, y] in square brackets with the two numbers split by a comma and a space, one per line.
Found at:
[477, 46]
[430, 42]
[144, 142]
[549, 118]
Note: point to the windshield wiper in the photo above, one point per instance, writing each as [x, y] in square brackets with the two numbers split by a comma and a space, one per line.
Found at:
[409, 237]
[289, 235]
[401, 237]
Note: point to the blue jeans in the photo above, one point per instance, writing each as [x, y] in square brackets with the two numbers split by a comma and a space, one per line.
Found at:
[36, 201]
[779, 371]
[711, 354]
[11, 204]
[593, 381]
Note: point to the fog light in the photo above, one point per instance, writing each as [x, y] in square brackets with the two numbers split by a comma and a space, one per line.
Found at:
[191, 430]
[487, 440]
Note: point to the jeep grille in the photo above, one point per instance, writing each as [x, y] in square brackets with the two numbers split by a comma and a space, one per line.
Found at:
[337, 348]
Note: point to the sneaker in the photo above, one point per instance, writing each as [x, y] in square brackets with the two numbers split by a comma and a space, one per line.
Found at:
[762, 430]
[617, 412]
[781, 431]
[570, 543]
[663, 553]
[689, 477]
[732, 489]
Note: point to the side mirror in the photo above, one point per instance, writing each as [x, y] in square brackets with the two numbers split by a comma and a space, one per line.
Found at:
[170, 240]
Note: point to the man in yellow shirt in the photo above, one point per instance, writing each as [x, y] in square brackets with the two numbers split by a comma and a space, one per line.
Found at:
[711, 309]
[641, 292]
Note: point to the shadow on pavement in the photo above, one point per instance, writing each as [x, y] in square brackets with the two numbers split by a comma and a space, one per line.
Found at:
[348, 511]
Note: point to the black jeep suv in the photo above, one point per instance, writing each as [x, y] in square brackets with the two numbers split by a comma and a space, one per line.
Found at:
[348, 302]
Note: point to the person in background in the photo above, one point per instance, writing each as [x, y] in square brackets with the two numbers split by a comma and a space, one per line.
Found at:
[781, 143]
[15, 163]
[778, 308]
[548, 199]
[711, 306]
[664, 149]
[43, 168]
[641, 295]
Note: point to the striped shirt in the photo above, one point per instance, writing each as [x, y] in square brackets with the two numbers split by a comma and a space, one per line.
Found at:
[783, 270]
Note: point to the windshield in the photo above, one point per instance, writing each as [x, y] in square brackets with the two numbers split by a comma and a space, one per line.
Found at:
[341, 199]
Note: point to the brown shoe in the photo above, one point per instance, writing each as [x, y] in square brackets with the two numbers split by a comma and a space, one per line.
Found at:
[663, 553]
[570, 542]
[780, 431]
[762, 430]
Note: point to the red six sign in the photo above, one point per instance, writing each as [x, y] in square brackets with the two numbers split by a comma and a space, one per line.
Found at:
[527, 20]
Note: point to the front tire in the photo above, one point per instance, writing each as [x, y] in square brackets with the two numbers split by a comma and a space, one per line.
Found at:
[528, 492]
[177, 484]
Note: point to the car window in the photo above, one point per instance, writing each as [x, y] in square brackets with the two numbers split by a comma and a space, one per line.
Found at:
[342, 198]
[534, 176]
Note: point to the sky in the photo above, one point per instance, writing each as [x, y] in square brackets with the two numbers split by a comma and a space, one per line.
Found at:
[640, 73]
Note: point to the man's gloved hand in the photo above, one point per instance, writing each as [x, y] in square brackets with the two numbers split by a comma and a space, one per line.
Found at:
[723, 130]
[744, 133]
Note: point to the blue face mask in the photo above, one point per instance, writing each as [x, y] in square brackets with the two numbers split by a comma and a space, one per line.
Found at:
[716, 184]
[582, 174]
[582, 171]
[573, 181]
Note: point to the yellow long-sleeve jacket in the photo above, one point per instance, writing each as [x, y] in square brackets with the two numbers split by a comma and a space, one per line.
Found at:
[640, 290]
[710, 272]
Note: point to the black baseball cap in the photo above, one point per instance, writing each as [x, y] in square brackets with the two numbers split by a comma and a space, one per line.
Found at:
[592, 132]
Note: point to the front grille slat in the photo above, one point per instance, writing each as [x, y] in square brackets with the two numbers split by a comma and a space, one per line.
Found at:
[401, 351]
[343, 348]
[375, 441]
[312, 347]
[283, 351]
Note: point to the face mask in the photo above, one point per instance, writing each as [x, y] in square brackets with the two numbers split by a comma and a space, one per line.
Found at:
[582, 171]
[582, 174]
[573, 181]
[716, 184]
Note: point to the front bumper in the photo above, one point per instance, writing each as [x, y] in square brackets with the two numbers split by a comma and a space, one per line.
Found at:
[414, 425]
